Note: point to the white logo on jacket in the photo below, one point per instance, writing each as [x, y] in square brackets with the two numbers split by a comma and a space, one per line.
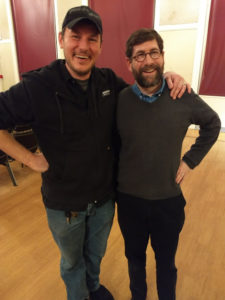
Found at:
[106, 93]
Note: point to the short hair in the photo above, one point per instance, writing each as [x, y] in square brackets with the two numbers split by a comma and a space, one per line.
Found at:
[141, 36]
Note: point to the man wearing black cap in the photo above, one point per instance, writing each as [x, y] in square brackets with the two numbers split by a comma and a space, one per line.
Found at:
[70, 105]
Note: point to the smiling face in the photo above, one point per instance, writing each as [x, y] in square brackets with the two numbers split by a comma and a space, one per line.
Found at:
[81, 46]
[148, 73]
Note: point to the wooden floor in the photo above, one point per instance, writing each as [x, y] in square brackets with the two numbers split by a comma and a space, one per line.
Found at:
[29, 258]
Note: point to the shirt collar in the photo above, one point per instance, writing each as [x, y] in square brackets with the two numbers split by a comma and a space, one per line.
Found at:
[147, 98]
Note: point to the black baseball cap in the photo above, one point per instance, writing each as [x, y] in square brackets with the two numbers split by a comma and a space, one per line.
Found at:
[76, 14]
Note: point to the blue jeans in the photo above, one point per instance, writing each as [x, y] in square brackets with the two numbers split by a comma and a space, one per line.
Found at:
[82, 244]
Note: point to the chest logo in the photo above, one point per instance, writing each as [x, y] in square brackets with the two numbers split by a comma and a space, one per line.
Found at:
[106, 93]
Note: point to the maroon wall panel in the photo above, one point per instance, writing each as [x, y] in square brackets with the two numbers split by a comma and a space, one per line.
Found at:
[120, 18]
[35, 33]
[213, 75]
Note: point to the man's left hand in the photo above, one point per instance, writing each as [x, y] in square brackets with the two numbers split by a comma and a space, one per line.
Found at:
[177, 84]
[182, 172]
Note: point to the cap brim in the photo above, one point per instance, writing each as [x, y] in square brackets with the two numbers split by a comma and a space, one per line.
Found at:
[72, 23]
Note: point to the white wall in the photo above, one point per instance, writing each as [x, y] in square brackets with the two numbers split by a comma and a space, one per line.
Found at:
[179, 48]
[8, 56]
[4, 29]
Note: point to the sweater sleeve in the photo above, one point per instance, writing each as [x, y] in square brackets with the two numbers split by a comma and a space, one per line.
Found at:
[15, 107]
[209, 123]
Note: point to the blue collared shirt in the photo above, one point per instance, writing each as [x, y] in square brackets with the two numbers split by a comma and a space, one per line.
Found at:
[147, 98]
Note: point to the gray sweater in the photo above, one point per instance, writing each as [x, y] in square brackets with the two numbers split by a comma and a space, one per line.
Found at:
[152, 135]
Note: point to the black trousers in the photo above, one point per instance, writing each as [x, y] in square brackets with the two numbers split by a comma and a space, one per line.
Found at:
[158, 220]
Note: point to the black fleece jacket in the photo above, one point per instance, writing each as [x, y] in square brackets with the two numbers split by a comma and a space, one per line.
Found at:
[74, 130]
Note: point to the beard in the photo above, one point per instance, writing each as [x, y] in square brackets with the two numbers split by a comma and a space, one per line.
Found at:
[149, 81]
[79, 71]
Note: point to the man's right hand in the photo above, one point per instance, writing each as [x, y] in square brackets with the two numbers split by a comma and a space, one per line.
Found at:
[38, 163]
[35, 161]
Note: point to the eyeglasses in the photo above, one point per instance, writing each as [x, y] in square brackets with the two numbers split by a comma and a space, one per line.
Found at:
[140, 57]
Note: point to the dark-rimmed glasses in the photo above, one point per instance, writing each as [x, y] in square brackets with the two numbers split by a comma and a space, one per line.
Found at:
[141, 56]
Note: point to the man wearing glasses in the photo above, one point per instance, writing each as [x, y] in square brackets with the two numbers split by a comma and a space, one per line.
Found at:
[150, 200]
